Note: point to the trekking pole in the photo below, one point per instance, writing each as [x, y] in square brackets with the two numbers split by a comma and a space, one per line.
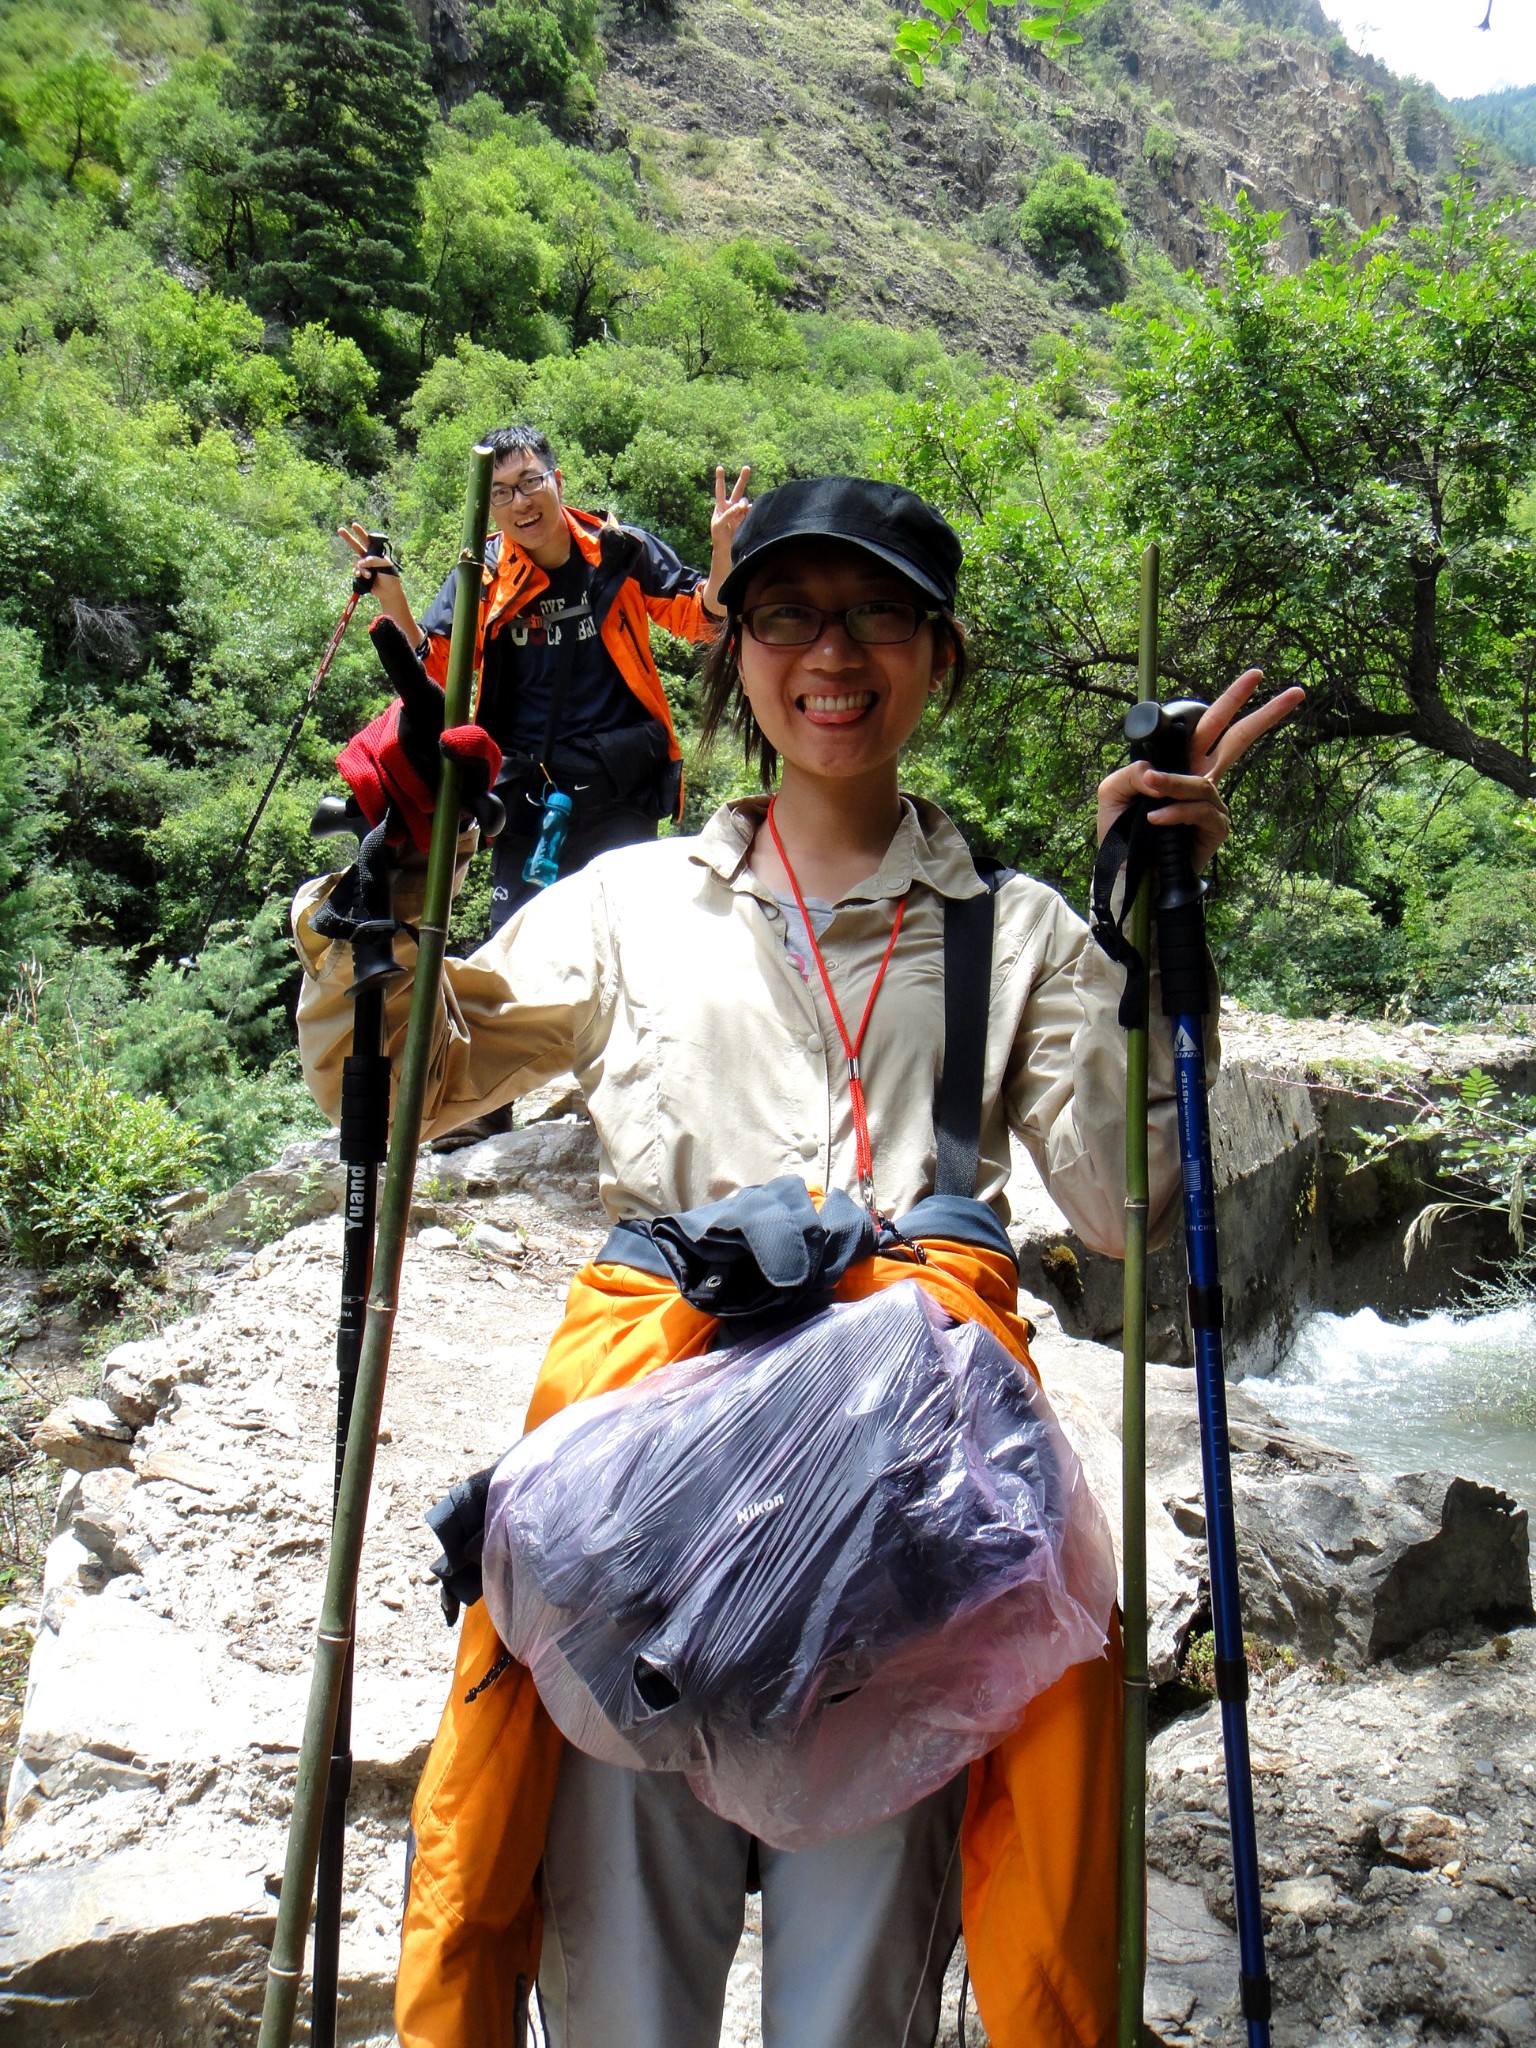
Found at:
[1162, 736]
[334, 1637]
[364, 1147]
[1133, 1434]
[379, 545]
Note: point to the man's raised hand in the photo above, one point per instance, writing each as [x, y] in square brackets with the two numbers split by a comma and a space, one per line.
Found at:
[729, 512]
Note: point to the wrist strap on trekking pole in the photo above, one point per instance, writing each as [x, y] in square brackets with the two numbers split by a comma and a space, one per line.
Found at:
[1128, 844]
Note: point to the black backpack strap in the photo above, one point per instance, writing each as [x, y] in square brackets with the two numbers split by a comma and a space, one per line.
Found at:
[968, 928]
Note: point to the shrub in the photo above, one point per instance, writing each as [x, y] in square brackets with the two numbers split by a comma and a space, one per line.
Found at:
[211, 1040]
[1463, 943]
[1070, 216]
[1160, 147]
[1316, 948]
[84, 1165]
[337, 385]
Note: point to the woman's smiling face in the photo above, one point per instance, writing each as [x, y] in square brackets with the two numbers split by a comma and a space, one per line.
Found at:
[837, 706]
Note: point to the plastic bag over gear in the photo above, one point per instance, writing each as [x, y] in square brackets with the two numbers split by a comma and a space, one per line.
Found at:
[819, 1573]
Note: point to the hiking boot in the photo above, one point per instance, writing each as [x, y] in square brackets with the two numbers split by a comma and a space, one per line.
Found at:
[490, 1125]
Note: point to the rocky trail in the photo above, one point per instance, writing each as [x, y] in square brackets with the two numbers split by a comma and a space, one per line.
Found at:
[1392, 1716]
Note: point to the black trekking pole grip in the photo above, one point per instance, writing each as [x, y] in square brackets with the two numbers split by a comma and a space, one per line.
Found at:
[1162, 735]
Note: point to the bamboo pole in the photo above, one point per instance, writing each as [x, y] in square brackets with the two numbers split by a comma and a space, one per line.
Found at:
[1133, 1788]
[334, 1637]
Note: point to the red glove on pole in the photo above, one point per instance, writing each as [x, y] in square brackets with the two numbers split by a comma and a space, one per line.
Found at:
[396, 762]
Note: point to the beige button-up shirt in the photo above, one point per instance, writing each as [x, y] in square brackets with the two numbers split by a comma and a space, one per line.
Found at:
[658, 975]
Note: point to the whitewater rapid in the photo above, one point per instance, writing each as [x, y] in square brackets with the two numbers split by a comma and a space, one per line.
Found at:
[1445, 1392]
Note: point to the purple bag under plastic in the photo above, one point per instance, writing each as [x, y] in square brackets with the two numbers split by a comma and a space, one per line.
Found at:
[819, 1574]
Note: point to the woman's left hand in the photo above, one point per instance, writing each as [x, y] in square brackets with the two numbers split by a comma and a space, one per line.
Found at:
[1220, 738]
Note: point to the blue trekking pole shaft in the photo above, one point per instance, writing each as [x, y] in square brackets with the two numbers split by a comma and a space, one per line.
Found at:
[1221, 1534]
[1180, 915]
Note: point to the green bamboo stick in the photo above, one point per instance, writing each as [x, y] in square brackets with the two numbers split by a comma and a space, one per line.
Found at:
[339, 1605]
[1133, 1789]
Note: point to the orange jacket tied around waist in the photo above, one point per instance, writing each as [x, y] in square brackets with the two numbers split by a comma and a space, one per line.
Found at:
[1039, 1840]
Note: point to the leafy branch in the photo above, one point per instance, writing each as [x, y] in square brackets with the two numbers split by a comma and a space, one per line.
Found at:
[944, 22]
[1487, 1142]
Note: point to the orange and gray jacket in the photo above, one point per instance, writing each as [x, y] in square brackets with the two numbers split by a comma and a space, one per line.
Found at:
[636, 578]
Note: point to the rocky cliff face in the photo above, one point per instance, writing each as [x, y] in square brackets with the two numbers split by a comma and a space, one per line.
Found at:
[791, 122]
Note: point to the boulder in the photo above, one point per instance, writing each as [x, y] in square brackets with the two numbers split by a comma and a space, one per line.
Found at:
[84, 1435]
[102, 1519]
[556, 1160]
[152, 1945]
[1341, 1564]
[138, 1378]
[498, 1244]
[554, 1157]
[1336, 1563]
[267, 1204]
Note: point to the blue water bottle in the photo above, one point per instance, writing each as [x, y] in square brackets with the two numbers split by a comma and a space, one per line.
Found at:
[543, 864]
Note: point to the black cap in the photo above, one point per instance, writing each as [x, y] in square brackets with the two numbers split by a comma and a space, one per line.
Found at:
[894, 525]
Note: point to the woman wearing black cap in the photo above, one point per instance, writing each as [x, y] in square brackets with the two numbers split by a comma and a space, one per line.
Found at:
[767, 998]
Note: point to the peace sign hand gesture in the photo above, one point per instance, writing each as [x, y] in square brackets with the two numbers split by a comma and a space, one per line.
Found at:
[1220, 739]
[727, 515]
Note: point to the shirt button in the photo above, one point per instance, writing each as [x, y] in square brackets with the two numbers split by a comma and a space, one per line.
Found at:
[810, 1149]
[813, 1043]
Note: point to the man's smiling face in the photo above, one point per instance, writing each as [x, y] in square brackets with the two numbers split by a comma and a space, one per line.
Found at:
[526, 503]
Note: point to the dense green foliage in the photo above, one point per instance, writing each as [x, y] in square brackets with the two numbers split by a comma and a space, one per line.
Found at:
[84, 1164]
[1070, 217]
[1507, 117]
[1341, 454]
[1339, 465]
[173, 465]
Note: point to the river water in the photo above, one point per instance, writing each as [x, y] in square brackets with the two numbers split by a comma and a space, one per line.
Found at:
[1444, 1393]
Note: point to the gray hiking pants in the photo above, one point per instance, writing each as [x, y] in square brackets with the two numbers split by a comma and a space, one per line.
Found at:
[644, 1897]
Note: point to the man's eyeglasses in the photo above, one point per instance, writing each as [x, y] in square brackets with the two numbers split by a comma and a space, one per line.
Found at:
[526, 487]
[880, 623]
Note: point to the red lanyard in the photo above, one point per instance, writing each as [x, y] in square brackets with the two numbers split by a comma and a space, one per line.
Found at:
[863, 1154]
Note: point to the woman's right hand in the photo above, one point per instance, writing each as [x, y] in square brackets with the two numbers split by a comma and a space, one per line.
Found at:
[377, 573]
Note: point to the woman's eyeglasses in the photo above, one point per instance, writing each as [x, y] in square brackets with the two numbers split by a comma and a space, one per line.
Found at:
[880, 623]
[526, 487]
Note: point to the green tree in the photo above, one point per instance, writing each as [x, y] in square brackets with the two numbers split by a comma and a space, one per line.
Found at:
[1416, 113]
[189, 154]
[340, 114]
[1334, 462]
[543, 51]
[490, 265]
[24, 906]
[717, 311]
[336, 386]
[1072, 217]
[73, 111]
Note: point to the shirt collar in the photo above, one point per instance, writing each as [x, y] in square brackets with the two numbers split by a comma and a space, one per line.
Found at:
[926, 848]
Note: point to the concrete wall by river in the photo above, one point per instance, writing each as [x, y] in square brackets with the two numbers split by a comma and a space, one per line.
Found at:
[1302, 1225]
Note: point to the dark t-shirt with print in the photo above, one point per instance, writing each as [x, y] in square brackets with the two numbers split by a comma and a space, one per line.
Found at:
[524, 661]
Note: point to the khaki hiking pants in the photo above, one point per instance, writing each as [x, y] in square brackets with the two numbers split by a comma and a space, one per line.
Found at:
[644, 1898]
